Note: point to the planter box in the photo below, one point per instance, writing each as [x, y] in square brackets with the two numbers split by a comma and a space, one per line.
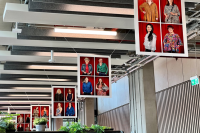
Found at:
[65, 132]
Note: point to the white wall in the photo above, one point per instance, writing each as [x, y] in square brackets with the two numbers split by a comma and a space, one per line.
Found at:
[120, 96]
[169, 71]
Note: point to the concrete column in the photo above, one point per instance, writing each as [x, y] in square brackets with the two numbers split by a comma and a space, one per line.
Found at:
[89, 111]
[58, 122]
[143, 110]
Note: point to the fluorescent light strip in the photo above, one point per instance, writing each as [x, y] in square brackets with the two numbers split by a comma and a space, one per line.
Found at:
[93, 32]
[16, 95]
[43, 79]
[52, 67]
[28, 88]
[25, 97]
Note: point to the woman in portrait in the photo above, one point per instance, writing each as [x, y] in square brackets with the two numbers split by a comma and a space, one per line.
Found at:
[171, 12]
[171, 41]
[101, 87]
[59, 110]
[87, 86]
[150, 39]
[59, 96]
[36, 112]
[45, 112]
[20, 119]
[102, 68]
[150, 11]
[27, 119]
[70, 110]
[20, 128]
[69, 96]
[86, 68]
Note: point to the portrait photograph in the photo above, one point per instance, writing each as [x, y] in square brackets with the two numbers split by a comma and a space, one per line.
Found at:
[87, 66]
[70, 109]
[59, 94]
[58, 109]
[45, 111]
[101, 66]
[102, 86]
[69, 94]
[87, 85]
[35, 111]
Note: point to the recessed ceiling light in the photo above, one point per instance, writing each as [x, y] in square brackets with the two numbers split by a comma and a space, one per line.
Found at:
[32, 88]
[29, 95]
[81, 31]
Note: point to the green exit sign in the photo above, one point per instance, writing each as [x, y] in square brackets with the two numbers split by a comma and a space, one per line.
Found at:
[194, 80]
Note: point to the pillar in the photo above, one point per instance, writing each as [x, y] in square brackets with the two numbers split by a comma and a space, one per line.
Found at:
[143, 110]
[58, 122]
[89, 111]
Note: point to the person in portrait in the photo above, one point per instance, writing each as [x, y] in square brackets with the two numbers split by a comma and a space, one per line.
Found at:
[45, 112]
[172, 41]
[69, 96]
[59, 110]
[101, 87]
[59, 96]
[70, 110]
[150, 39]
[28, 128]
[87, 86]
[36, 112]
[27, 119]
[86, 68]
[20, 119]
[171, 12]
[102, 68]
[20, 128]
[150, 11]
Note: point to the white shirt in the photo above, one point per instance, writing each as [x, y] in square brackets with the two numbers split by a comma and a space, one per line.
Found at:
[151, 45]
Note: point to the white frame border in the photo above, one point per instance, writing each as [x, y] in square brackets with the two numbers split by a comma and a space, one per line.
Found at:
[52, 101]
[137, 44]
[40, 117]
[79, 80]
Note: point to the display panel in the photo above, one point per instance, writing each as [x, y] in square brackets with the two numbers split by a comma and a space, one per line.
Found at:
[160, 27]
[64, 102]
[23, 122]
[39, 111]
[94, 76]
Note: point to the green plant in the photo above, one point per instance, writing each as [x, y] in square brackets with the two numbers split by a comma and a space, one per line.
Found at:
[40, 121]
[74, 127]
[5, 122]
[99, 129]
[2, 130]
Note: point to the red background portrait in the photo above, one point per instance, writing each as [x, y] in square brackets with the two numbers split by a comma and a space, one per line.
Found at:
[47, 124]
[55, 107]
[90, 79]
[82, 61]
[19, 116]
[142, 33]
[26, 117]
[34, 107]
[26, 125]
[47, 108]
[66, 105]
[18, 126]
[141, 14]
[66, 91]
[162, 7]
[55, 90]
[105, 60]
[105, 80]
[177, 30]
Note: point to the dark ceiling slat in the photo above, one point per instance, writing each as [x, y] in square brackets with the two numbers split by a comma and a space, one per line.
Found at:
[85, 1]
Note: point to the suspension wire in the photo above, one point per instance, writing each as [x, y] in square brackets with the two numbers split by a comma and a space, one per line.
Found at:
[70, 45]
[120, 42]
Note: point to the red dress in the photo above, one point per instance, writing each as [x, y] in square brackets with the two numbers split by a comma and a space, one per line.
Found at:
[100, 91]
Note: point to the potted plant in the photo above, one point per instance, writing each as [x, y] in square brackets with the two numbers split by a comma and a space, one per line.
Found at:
[6, 124]
[40, 123]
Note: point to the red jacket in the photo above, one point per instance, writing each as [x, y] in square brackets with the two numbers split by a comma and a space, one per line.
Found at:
[42, 113]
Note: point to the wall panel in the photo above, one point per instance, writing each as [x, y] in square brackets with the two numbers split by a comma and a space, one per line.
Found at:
[178, 109]
[117, 118]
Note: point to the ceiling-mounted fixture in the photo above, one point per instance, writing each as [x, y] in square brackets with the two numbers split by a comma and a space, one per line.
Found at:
[16, 30]
[52, 57]
[81, 31]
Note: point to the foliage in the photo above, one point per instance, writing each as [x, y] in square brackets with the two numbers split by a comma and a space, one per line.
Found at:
[76, 127]
[5, 122]
[40, 121]
[2, 130]
[99, 129]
